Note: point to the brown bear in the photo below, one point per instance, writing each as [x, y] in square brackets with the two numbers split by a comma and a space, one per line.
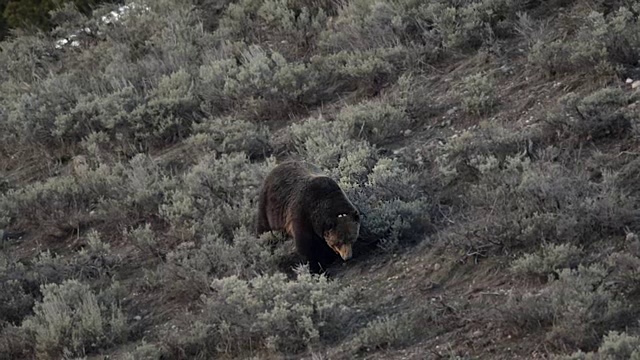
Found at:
[297, 198]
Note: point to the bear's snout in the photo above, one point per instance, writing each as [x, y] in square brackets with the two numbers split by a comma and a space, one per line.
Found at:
[345, 252]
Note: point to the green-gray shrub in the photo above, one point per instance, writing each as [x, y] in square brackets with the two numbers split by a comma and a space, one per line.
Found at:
[144, 238]
[395, 207]
[478, 94]
[15, 343]
[216, 195]
[71, 319]
[459, 27]
[526, 202]
[145, 351]
[323, 142]
[230, 134]
[291, 26]
[434, 26]
[113, 192]
[549, 259]
[25, 58]
[364, 25]
[615, 346]
[272, 312]
[600, 115]
[15, 304]
[217, 257]
[59, 198]
[386, 332]
[578, 307]
[601, 43]
[264, 83]
[145, 185]
[166, 113]
[375, 120]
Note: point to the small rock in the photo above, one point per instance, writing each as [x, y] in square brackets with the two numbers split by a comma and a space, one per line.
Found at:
[137, 318]
[629, 80]
[635, 84]
[477, 333]
[452, 111]
[436, 267]
[407, 132]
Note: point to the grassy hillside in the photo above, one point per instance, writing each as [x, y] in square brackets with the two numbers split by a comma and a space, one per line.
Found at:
[491, 145]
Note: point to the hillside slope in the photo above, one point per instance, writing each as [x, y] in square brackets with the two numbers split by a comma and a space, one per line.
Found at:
[491, 145]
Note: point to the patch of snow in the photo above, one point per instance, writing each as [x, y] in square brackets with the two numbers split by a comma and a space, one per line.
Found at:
[61, 42]
[112, 17]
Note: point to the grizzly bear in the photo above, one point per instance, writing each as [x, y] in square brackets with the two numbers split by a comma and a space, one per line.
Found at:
[310, 207]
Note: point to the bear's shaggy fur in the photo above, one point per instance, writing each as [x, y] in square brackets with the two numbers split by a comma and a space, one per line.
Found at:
[311, 208]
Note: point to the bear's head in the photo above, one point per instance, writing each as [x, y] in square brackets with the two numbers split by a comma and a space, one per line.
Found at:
[341, 232]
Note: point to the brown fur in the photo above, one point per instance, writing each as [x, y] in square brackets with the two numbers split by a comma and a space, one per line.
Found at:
[311, 208]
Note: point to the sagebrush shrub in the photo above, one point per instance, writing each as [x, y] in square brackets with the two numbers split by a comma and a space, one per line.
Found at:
[71, 319]
[15, 343]
[578, 308]
[262, 76]
[144, 238]
[144, 351]
[230, 134]
[363, 25]
[265, 84]
[386, 332]
[167, 111]
[15, 304]
[525, 202]
[478, 94]
[97, 192]
[396, 209]
[600, 115]
[601, 44]
[431, 27]
[57, 198]
[244, 255]
[272, 312]
[549, 259]
[323, 142]
[374, 120]
[615, 345]
[291, 26]
[468, 25]
[25, 58]
[217, 194]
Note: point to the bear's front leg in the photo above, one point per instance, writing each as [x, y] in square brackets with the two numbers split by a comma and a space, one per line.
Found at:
[306, 245]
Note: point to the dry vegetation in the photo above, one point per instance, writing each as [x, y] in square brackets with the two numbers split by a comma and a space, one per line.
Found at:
[491, 145]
